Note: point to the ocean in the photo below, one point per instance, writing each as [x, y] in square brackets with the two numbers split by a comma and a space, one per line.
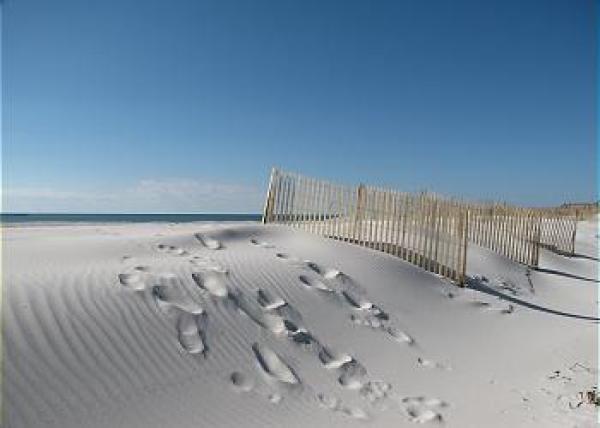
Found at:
[24, 219]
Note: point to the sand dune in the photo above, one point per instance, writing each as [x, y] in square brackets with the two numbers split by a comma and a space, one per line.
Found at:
[241, 325]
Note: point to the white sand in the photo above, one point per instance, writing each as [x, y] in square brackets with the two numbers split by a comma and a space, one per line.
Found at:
[200, 325]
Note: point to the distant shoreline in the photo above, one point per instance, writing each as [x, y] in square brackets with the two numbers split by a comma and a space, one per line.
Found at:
[16, 219]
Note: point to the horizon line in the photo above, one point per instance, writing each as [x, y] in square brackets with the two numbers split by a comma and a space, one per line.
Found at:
[129, 213]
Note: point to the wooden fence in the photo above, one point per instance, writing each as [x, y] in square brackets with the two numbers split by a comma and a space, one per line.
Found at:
[511, 231]
[558, 229]
[427, 230]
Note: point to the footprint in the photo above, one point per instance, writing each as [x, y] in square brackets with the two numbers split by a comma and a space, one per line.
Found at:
[356, 301]
[422, 416]
[169, 296]
[314, 283]
[429, 364]
[268, 301]
[270, 321]
[132, 280]
[368, 320]
[334, 404]
[171, 249]
[329, 402]
[333, 361]
[352, 376]
[208, 242]
[292, 260]
[298, 334]
[399, 335]
[356, 413]
[325, 272]
[244, 384]
[375, 391]
[273, 366]
[275, 398]
[213, 282]
[423, 410]
[190, 332]
[241, 382]
[261, 244]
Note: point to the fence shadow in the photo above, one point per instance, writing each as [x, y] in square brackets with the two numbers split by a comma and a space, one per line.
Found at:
[555, 250]
[566, 274]
[477, 285]
[584, 256]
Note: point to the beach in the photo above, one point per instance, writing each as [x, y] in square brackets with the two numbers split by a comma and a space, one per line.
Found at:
[238, 324]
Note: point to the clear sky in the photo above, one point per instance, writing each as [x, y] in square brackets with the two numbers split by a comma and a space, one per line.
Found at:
[184, 105]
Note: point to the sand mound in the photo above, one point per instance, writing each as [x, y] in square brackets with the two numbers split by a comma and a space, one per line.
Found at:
[252, 326]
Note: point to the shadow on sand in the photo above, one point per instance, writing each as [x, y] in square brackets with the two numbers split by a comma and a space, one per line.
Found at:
[565, 274]
[555, 250]
[477, 285]
[581, 256]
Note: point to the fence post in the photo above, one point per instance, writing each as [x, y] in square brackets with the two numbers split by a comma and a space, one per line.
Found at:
[270, 201]
[537, 242]
[574, 234]
[360, 212]
[465, 236]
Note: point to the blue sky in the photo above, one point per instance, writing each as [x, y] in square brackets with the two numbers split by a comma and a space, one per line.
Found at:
[184, 106]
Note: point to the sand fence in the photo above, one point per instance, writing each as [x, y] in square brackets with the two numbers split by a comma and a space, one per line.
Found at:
[430, 231]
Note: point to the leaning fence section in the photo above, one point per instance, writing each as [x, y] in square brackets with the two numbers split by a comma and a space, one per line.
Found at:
[518, 233]
[511, 231]
[427, 230]
[558, 229]
[419, 228]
